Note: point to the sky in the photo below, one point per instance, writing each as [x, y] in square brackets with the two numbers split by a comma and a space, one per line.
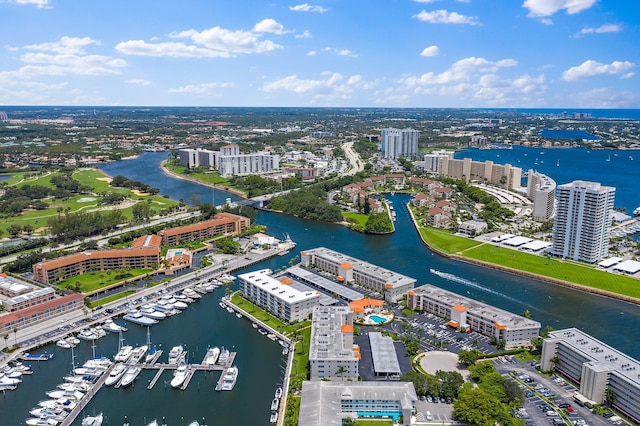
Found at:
[325, 53]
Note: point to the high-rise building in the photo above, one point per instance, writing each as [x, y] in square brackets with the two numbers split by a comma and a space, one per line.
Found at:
[398, 143]
[541, 189]
[432, 160]
[583, 220]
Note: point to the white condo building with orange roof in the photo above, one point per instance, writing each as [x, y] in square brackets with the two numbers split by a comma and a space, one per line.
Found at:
[514, 330]
[351, 270]
[278, 297]
[332, 353]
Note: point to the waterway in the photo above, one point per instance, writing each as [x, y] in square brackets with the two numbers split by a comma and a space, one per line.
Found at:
[259, 359]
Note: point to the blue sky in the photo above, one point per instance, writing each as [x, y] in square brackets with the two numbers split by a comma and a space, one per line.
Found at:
[351, 53]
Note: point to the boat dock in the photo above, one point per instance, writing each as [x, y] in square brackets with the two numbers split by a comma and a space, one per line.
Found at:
[87, 398]
[192, 370]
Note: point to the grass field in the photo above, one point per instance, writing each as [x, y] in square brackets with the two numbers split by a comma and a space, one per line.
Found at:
[208, 177]
[445, 241]
[91, 281]
[556, 268]
[357, 218]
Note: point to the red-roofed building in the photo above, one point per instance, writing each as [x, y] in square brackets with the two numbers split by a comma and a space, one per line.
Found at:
[42, 312]
[226, 224]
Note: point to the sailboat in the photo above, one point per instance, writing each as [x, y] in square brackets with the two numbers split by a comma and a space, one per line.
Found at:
[151, 350]
[558, 163]
[609, 157]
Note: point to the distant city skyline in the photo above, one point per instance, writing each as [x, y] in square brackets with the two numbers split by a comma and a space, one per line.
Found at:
[404, 53]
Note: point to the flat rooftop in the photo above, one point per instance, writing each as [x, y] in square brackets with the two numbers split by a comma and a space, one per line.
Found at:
[477, 309]
[332, 287]
[266, 282]
[385, 359]
[327, 333]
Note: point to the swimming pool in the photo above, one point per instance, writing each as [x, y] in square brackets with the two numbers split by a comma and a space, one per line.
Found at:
[379, 414]
[377, 319]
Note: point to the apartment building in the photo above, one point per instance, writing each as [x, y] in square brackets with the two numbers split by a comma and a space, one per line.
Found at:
[502, 175]
[463, 312]
[226, 224]
[541, 189]
[396, 143]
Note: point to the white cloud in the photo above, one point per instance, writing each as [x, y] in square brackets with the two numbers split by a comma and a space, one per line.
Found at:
[546, 21]
[139, 82]
[200, 89]
[340, 52]
[430, 51]
[334, 87]
[540, 8]
[305, 34]
[445, 17]
[312, 53]
[628, 75]
[609, 28]
[66, 45]
[269, 26]
[214, 42]
[592, 68]
[605, 97]
[425, 1]
[40, 4]
[305, 7]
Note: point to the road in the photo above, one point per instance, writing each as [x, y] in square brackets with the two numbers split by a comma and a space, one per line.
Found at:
[354, 159]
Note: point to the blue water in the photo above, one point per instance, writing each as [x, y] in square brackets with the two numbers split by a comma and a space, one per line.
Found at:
[568, 134]
[617, 168]
[627, 114]
[377, 319]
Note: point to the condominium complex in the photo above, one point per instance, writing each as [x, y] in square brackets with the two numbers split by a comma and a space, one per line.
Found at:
[228, 161]
[432, 160]
[396, 143]
[226, 224]
[541, 189]
[601, 371]
[332, 353]
[329, 403]
[16, 294]
[514, 330]
[41, 312]
[583, 221]
[280, 298]
[49, 271]
[351, 270]
[505, 176]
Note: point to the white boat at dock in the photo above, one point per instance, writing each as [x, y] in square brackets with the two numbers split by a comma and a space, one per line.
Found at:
[211, 356]
[229, 379]
[148, 311]
[116, 373]
[136, 317]
[124, 354]
[87, 334]
[110, 326]
[274, 417]
[180, 375]
[278, 393]
[274, 404]
[223, 358]
[64, 344]
[59, 393]
[138, 353]
[130, 375]
[175, 354]
[93, 420]
[191, 294]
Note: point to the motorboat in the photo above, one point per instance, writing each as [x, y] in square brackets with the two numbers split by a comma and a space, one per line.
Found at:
[64, 344]
[48, 412]
[75, 395]
[136, 317]
[229, 379]
[199, 288]
[101, 363]
[116, 373]
[184, 299]
[274, 417]
[174, 302]
[124, 354]
[180, 375]
[72, 339]
[224, 356]
[46, 420]
[67, 404]
[87, 334]
[191, 293]
[81, 386]
[278, 393]
[274, 404]
[636, 211]
[212, 356]
[8, 381]
[148, 311]
[98, 331]
[93, 420]
[165, 307]
[138, 353]
[111, 326]
[24, 369]
[175, 354]
[130, 375]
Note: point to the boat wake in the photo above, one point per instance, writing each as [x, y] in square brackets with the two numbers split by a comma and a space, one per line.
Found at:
[455, 278]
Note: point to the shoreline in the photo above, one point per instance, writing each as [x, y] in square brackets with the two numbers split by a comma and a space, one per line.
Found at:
[199, 182]
[550, 280]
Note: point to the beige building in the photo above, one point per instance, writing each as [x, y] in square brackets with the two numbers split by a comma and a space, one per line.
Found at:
[225, 224]
[599, 370]
[505, 176]
[463, 312]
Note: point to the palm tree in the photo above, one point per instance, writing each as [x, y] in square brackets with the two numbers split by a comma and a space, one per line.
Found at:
[341, 370]
[15, 338]
[6, 337]
[610, 396]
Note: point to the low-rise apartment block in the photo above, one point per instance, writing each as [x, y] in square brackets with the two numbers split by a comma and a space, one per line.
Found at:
[332, 353]
[602, 372]
[463, 312]
[279, 298]
[226, 224]
[351, 270]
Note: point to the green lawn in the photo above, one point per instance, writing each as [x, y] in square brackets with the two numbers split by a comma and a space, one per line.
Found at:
[95, 280]
[264, 316]
[381, 422]
[207, 177]
[556, 268]
[445, 241]
[111, 298]
[357, 218]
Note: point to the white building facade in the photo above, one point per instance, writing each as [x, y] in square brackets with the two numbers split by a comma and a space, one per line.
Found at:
[396, 143]
[583, 221]
[332, 353]
[541, 189]
[276, 297]
[432, 160]
[229, 162]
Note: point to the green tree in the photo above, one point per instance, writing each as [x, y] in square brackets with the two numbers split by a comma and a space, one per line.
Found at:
[469, 357]
[476, 407]
[14, 230]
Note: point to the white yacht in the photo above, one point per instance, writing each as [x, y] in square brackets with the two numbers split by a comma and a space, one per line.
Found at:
[175, 354]
[123, 354]
[59, 393]
[278, 393]
[212, 356]
[81, 386]
[174, 302]
[73, 340]
[130, 375]
[165, 307]
[93, 420]
[111, 326]
[136, 317]
[224, 356]
[180, 375]
[116, 373]
[274, 417]
[229, 379]
[138, 353]
[64, 344]
[87, 334]
[148, 311]
[191, 293]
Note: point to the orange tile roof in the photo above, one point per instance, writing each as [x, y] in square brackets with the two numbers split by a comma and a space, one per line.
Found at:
[363, 303]
[454, 323]
[99, 254]
[346, 328]
[358, 309]
[219, 219]
[346, 265]
[459, 308]
[154, 241]
[411, 293]
[388, 285]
